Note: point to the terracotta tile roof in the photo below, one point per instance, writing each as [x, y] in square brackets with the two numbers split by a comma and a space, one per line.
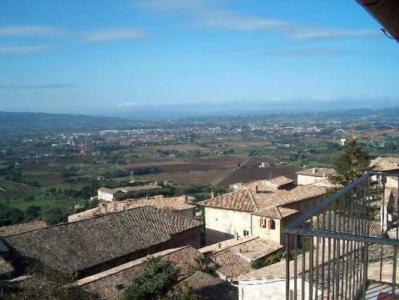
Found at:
[281, 181]
[317, 172]
[275, 212]
[23, 227]
[170, 203]
[86, 214]
[385, 163]
[110, 283]
[268, 184]
[5, 267]
[241, 200]
[274, 271]
[236, 258]
[250, 201]
[226, 244]
[278, 270]
[211, 288]
[128, 189]
[174, 203]
[230, 265]
[73, 247]
[255, 249]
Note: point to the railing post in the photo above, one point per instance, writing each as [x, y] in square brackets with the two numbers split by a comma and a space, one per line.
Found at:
[345, 238]
[311, 270]
[287, 266]
[365, 267]
[395, 258]
[295, 266]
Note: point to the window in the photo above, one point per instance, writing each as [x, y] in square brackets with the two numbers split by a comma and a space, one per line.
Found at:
[245, 232]
[272, 224]
[263, 223]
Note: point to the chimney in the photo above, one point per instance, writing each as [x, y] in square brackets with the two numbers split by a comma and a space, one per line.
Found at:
[220, 245]
[256, 189]
[212, 194]
[314, 171]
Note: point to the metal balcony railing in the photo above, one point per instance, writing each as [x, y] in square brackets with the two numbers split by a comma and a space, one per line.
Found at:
[346, 246]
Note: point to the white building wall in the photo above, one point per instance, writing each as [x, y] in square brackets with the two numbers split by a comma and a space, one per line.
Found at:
[105, 196]
[392, 182]
[306, 179]
[227, 221]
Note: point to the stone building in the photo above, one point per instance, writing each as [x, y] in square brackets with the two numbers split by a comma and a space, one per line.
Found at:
[107, 194]
[235, 257]
[181, 205]
[111, 283]
[316, 176]
[90, 246]
[263, 212]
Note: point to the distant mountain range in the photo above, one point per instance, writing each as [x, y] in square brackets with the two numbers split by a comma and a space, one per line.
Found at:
[18, 122]
[22, 122]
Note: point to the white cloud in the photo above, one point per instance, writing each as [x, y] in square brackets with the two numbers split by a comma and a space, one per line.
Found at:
[114, 35]
[203, 13]
[29, 30]
[227, 20]
[306, 52]
[213, 14]
[309, 34]
[26, 49]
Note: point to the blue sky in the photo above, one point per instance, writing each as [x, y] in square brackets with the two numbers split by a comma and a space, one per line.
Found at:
[128, 55]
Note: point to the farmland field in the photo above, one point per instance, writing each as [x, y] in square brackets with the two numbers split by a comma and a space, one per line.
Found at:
[254, 173]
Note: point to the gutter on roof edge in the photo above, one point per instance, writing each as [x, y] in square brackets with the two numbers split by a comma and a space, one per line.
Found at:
[386, 12]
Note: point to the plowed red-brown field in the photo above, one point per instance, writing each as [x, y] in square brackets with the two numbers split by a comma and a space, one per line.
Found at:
[248, 174]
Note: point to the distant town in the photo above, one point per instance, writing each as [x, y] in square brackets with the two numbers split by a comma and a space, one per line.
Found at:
[213, 197]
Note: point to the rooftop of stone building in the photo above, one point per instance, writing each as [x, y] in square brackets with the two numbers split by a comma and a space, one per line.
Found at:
[20, 228]
[75, 247]
[109, 284]
[385, 164]
[235, 257]
[127, 189]
[250, 201]
[211, 288]
[268, 184]
[173, 203]
[317, 172]
[276, 212]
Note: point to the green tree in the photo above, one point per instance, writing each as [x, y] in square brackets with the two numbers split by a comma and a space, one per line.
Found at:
[33, 212]
[157, 279]
[204, 264]
[181, 292]
[351, 163]
[55, 215]
[10, 215]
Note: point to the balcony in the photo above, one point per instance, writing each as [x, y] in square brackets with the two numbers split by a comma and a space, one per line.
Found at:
[346, 246]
